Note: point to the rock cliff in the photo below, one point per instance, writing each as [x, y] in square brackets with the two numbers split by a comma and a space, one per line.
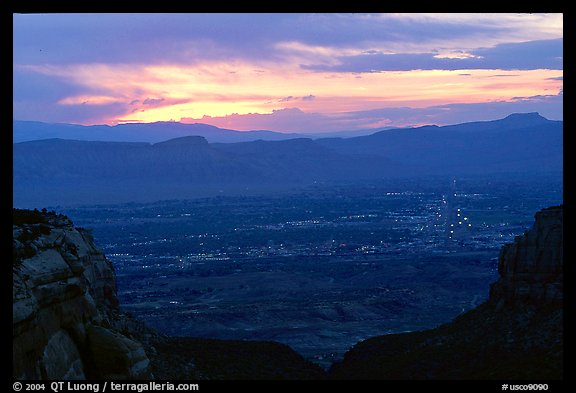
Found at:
[516, 334]
[65, 309]
[531, 267]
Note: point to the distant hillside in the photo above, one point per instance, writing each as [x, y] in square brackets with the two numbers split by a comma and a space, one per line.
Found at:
[56, 171]
[519, 142]
[24, 131]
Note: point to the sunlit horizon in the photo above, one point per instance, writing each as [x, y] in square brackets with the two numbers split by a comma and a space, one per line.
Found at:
[286, 72]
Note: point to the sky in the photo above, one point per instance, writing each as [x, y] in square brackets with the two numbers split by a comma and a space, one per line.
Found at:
[286, 72]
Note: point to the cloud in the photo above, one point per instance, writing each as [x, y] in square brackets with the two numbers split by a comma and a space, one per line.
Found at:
[309, 97]
[36, 96]
[73, 114]
[31, 85]
[543, 54]
[153, 101]
[296, 120]
[505, 76]
[549, 106]
[148, 38]
[162, 66]
[282, 120]
[546, 54]
[192, 38]
[140, 93]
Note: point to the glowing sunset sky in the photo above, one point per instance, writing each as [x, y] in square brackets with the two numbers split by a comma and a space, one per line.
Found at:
[286, 72]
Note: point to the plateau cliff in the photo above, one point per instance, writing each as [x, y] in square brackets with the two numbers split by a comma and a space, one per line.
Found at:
[516, 334]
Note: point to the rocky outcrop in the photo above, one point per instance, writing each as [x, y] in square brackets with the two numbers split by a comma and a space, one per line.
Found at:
[67, 322]
[516, 334]
[65, 310]
[116, 356]
[531, 267]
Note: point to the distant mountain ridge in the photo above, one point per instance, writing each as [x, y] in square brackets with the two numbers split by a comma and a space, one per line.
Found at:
[517, 142]
[59, 171]
[24, 131]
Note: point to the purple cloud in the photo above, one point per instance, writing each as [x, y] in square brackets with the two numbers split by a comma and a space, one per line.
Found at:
[531, 55]
[153, 101]
[309, 97]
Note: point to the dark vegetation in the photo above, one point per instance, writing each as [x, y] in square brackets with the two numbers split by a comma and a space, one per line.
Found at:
[25, 216]
[21, 217]
[31, 225]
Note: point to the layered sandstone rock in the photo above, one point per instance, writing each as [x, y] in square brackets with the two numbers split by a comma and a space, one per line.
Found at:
[63, 291]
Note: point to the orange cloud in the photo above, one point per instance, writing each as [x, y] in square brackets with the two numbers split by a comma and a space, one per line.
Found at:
[164, 92]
